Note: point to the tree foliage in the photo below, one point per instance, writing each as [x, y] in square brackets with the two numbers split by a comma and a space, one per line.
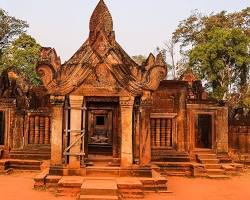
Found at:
[10, 28]
[218, 50]
[22, 55]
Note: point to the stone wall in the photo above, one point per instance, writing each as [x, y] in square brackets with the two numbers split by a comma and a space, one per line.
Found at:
[239, 138]
[168, 119]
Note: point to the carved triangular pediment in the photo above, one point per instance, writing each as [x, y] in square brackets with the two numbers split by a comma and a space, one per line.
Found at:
[100, 66]
[100, 81]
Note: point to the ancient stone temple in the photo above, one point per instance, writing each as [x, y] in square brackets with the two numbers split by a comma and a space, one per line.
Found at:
[102, 114]
[101, 99]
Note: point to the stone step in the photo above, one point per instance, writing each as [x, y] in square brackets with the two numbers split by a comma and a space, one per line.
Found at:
[206, 156]
[99, 187]
[69, 185]
[209, 161]
[97, 197]
[213, 166]
[29, 152]
[202, 150]
[29, 156]
[71, 181]
[102, 171]
[218, 176]
[25, 167]
[22, 164]
[215, 172]
[130, 188]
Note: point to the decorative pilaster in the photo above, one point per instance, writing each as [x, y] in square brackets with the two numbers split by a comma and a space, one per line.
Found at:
[47, 131]
[126, 106]
[136, 137]
[221, 130]
[76, 104]
[37, 130]
[182, 136]
[31, 130]
[56, 129]
[42, 130]
[145, 146]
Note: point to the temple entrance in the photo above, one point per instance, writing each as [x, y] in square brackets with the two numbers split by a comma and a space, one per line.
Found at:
[203, 133]
[102, 129]
[2, 122]
[100, 132]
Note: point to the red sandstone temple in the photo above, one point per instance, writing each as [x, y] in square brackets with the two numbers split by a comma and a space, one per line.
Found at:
[102, 113]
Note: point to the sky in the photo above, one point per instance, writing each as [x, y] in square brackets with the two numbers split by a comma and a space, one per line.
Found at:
[140, 25]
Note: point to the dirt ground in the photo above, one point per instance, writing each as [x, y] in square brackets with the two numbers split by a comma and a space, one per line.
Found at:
[18, 186]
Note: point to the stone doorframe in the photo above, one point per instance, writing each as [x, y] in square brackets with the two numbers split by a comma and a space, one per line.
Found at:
[8, 109]
[219, 125]
[194, 124]
[126, 114]
[114, 112]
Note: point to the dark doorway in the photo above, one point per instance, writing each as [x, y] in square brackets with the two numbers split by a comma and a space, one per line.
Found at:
[203, 135]
[2, 122]
[101, 129]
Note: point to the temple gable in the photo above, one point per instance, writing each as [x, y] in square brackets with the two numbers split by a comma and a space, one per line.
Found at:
[100, 63]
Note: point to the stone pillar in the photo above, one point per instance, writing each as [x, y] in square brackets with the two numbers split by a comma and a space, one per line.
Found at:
[182, 137]
[76, 104]
[145, 141]
[56, 129]
[126, 107]
[42, 129]
[37, 125]
[222, 130]
[47, 131]
[158, 132]
[136, 138]
[169, 132]
[31, 130]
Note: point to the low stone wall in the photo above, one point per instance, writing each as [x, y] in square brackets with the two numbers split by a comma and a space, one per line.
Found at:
[239, 138]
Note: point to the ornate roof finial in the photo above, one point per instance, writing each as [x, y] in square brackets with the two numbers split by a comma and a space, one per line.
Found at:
[101, 19]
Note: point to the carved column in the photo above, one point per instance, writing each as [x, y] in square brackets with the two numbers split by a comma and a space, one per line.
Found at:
[221, 130]
[42, 124]
[169, 133]
[136, 137]
[126, 105]
[31, 130]
[158, 132]
[36, 129]
[163, 132]
[145, 145]
[182, 137]
[47, 131]
[76, 104]
[56, 129]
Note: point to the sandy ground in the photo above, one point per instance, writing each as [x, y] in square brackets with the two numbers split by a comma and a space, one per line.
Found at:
[18, 186]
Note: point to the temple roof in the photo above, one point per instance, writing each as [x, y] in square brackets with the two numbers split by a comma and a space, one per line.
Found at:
[101, 19]
[99, 50]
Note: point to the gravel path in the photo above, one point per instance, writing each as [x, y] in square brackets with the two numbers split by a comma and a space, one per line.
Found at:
[18, 186]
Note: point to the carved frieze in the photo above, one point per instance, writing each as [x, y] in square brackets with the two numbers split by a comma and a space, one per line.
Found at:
[57, 100]
[126, 101]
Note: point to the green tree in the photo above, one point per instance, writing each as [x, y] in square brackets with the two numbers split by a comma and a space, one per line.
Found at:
[217, 49]
[221, 59]
[22, 55]
[10, 28]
